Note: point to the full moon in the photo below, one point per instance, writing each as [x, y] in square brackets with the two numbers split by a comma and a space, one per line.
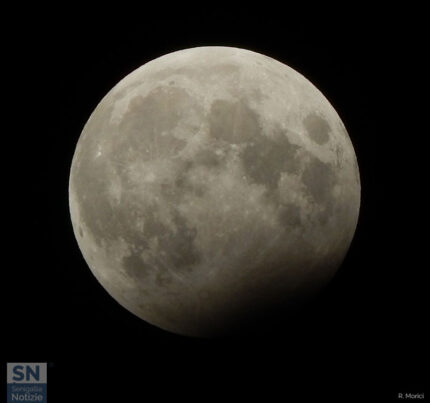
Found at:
[212, 185]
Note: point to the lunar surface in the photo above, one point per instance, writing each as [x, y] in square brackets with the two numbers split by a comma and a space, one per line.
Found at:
[210, 184]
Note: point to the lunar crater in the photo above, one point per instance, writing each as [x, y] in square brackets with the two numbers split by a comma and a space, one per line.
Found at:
[317, 128]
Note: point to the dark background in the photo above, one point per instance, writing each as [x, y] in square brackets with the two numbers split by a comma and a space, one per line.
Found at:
[362, 338]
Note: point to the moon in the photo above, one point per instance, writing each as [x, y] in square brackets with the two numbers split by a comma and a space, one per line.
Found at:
[210, 185]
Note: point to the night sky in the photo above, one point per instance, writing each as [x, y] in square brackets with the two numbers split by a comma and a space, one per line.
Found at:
[363, 337]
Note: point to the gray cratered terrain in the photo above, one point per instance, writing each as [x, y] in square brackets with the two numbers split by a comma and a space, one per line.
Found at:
[212, 183]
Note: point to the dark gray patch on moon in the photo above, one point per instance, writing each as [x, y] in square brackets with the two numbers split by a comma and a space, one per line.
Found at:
[233, 122]
[207, 158]
[317, 128]
[184, 185]
[163, 278]
[289, 215]
[319, 179]
[135, 267]
[264, 159]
